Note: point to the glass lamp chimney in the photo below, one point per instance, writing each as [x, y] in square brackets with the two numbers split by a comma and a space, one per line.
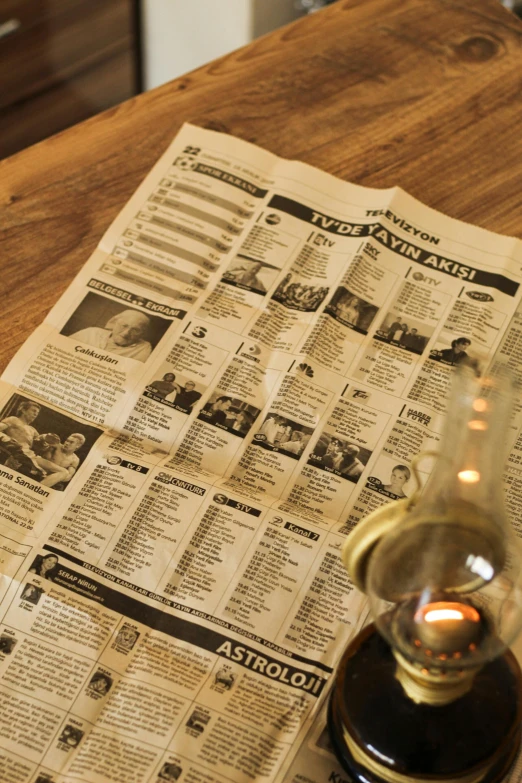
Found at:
[445, 586]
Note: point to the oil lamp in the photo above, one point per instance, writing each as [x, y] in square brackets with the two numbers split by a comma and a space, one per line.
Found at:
[430, 691]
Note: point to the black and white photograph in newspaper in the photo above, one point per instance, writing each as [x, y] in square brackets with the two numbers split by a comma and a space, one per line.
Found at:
[163, 385]
[175, 390]
[295, 295]
[391, 478]
[169, 772]
[126, 638]
[46, 566]
[42, 444]
[112, 326]
[7, 642]
[245, 272]
[197, 722]
[70, 737]
[407, 333]
[459, 351]
[224, 679]
[188, 394]
[351, 310]
[339, 456]
[99, 685]
[32, 594]
[278, 433]
[229, 413]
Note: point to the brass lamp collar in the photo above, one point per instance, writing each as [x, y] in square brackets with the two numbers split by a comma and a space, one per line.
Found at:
[435, 687]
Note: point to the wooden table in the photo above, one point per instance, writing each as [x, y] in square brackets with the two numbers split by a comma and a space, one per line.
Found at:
[425, 94]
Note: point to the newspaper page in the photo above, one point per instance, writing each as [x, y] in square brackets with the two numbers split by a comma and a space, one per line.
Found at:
[244, 368]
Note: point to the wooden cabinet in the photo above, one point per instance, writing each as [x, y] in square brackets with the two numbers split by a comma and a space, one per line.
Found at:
[62, 61]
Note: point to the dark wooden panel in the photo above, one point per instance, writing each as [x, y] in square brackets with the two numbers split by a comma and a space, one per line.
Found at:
[67, 103]
[34, 12]
[57, 39]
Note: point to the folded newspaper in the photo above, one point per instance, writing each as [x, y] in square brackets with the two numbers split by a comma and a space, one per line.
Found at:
[245, 366]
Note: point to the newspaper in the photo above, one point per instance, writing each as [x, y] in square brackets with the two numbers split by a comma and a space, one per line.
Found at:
[244, 367]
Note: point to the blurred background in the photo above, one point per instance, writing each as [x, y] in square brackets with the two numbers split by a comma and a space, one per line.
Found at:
[62, 61]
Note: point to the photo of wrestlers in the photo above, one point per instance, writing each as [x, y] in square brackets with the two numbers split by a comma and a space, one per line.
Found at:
[278, 433]
[392, 479]
[299, 296]
[245, 272]
[176, 390]
[458, 353]
[42, 444]
[407, 333]
[339, 456]
[229, 413]
[112, 326]
[351, 310]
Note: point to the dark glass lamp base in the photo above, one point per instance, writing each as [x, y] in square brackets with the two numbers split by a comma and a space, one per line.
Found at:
[381, 736]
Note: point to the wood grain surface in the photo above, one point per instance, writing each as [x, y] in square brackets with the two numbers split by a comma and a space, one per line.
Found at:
[425, 94]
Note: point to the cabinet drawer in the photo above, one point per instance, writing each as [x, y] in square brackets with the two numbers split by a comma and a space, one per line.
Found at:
[55, 40]
[66, 104]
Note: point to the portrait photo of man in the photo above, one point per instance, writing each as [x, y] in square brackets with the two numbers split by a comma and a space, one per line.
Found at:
[108, 325]
[123, 334]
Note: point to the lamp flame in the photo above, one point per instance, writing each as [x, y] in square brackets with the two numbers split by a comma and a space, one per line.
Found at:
[434, 615]
[469, 476]
[443, 610]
